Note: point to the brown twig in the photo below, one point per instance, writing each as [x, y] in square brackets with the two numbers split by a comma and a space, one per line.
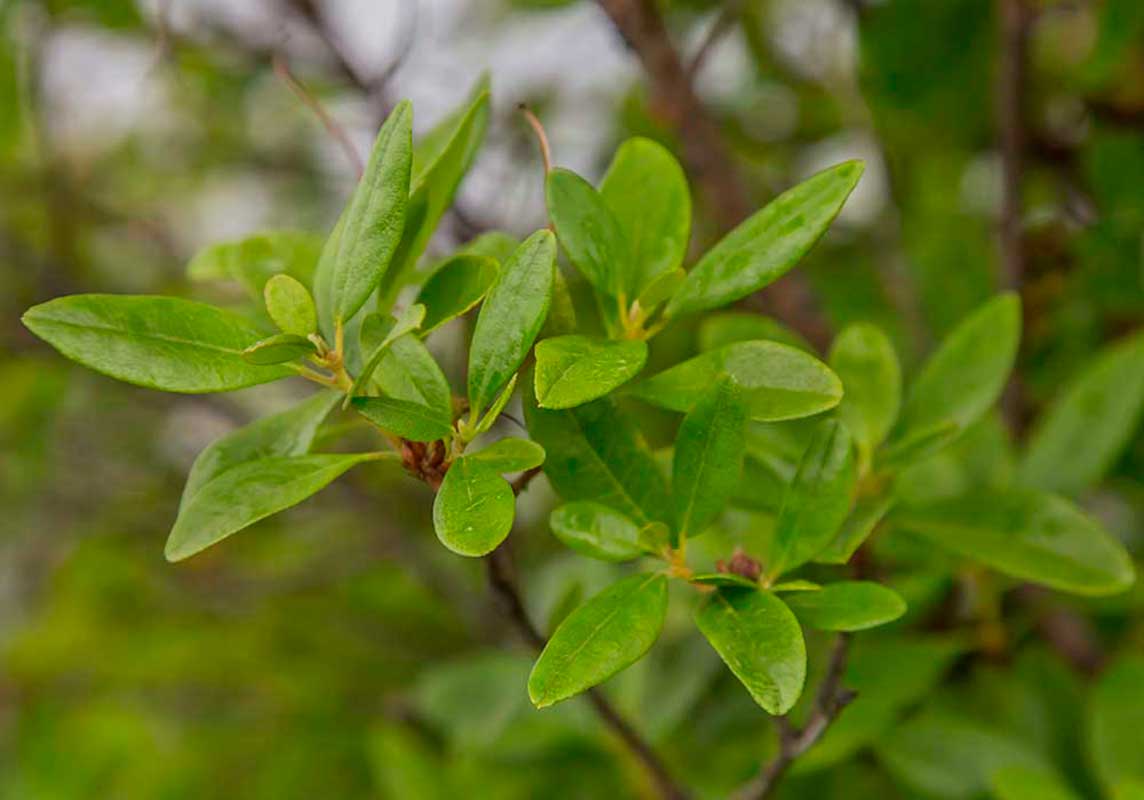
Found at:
[793, 742]
[336, 131]
[719, 28]
[541, 137]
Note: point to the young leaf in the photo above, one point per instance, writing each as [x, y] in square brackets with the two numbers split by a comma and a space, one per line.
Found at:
[768, 244]
[474, 509]
[509, 455]
[278, 349]
[159, 342]
[594, 453]
[1080, 436]
[918, 445]
[646, 190]
[511, 317]
[660, 289]
[409, 420]
[251, 491]
[778, 382]
[818, 499]
[589, 233]
[573, 370]
[358, 253]
[867, 513]
[729, 579]
[409, 372]
[864, 359]
[486, 422]
[454, 288]
[758, 637]
[967, 373]
[1027, 534]
[610, 632]
[847, 606]
[1117, 706]
[252, 261]
[289, 304]
[407, 321]
[596, 531]
[708, 457]
[728, 327]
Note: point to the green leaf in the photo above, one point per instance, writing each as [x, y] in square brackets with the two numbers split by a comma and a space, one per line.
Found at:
[509, 455]
[1115, 712]
[1027, 534]
[253, 260]
[409, 420]
[511, 317]
[474, 509]
[727, 327]
[729, 579]
[596, 531]
[455, 287]
[864, 358]
[486, 422]
[818, 499]
[278, 349]
[660, 289]
[918, 445]
[359, 251]
[795, 586]
[758, 637]
[646, 190]
[1021, 782]
[573, 370]
[847, 606]
[965, 376]
[867, 513]
[768, 244]
[407, 321]
[1080, 436]
[589, 233]
[289, 304]
[778, 382]
[610, 632]
[409, 372]
[251, 491]
[594, 453]
[708, 457]
[159, 342]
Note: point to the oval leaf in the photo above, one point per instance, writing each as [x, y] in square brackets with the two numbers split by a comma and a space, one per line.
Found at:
[409, 420]
[278, 349]
[864, 358]
[408, 371]
[474, 509]
[588, 232]
[253, 260]
[847, 606]
[573, 370]
[456, 286]
[509, 455]
[596, 531]
[289, 304]
[727, 327]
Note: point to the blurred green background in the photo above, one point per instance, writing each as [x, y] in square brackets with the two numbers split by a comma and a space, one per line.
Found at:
[337, 650]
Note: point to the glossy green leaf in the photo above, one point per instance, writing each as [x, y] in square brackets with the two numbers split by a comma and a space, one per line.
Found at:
[573, 370]
[249, 492]
[159, 342]
[660, 289]
[409, 420]
[509, 455]
[1080, 436]
[278, 349]
[966, 375]
[646, 190]
[778, 382]
[818, 499]
[594, 453]
[708, 457]
[485, 423]
[253, 260]
[728, 327]
[409, 372]
[474, 509]
[589, 232]
[359, 251]
[1115, 711]
[406, 322]
[511, 317]
[289, 304]
[608, 633]
[863, 357]
[1028, 783]
[867, 513]
[847, 606]
[765, 246]
[596, 531]
[758, 637]
[795, 586]
[455, 287]
[1027, 534]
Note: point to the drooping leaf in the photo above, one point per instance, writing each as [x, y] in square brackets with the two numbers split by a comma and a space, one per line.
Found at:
[511, 317]
[159, 342]
[1027, 534]
[758, 638]
[865, 516]
[847, 606]
[253, 260]
[358, 252]
[768, 244]
[573, 370]
[408, 371]
[589, 232]
[509, 455]
[728, 327]
[1080, 436]
[474, 509]
[778, 382]
[818, 499]
[278, 349]
[1115, 711]
[610, 632]
[290, 305]
[596, 531]
[249, 492]
[409, 420]
[708, 457]
[455, 287]
[863, 357]
[646, 190]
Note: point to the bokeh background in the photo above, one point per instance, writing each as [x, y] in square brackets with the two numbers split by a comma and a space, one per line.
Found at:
[337, 650]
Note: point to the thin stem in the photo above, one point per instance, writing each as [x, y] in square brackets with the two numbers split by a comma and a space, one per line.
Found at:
[541, 137]
[336, 131]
